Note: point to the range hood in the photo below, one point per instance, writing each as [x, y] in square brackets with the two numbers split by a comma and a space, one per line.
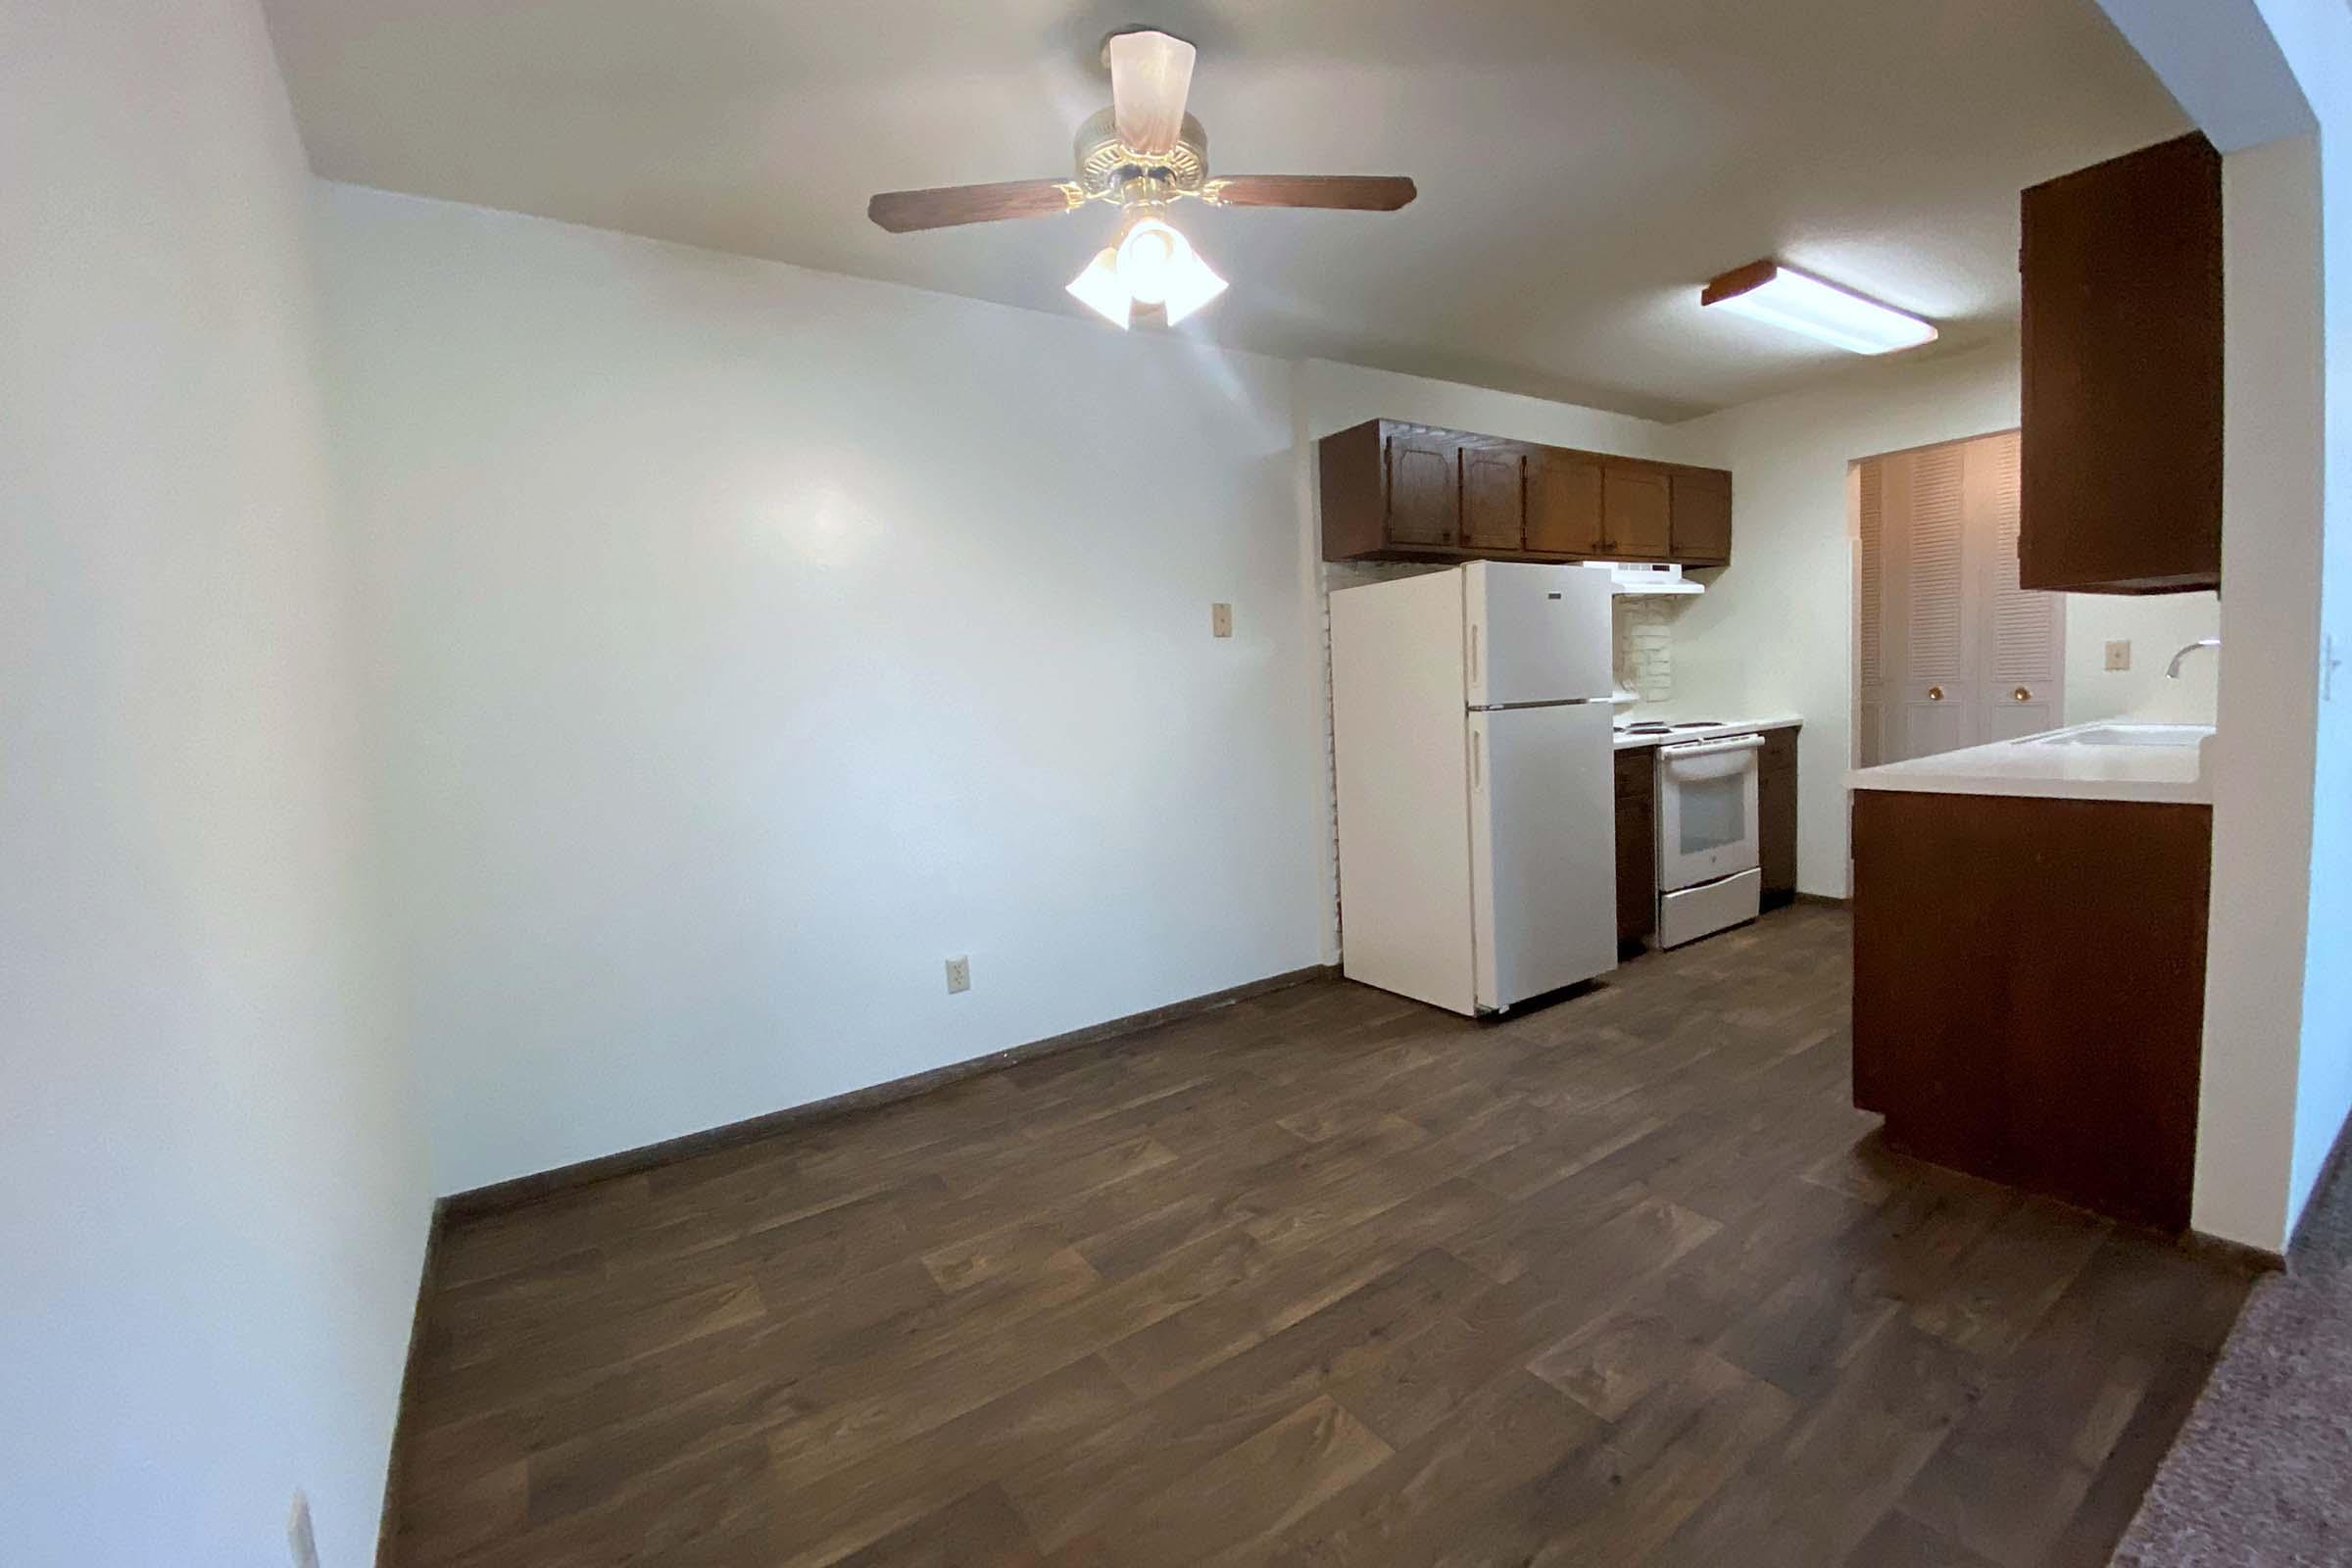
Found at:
[1646, 577]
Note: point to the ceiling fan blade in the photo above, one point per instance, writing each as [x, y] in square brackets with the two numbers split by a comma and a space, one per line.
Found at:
[1150, 76]
[901, 211]
[1360, 193]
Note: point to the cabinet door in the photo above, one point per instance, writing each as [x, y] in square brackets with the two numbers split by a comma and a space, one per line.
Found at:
[2020, 639]
[1424, 490]
[1702, 519]
[1494, 498]
[1636, 844]
[2122, 323]
[1927, 635]
[1563, 504]
[1775, 814]
[1636, 513]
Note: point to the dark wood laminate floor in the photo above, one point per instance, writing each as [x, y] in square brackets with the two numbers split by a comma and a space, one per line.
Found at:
[1323, 1277]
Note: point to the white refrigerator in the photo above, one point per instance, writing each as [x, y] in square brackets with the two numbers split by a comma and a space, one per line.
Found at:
[1475, 774]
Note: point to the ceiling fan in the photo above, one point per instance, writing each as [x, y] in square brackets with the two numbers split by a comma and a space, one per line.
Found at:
[1142, 155]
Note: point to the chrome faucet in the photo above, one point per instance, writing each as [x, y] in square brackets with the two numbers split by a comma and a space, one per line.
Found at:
[2171, 671]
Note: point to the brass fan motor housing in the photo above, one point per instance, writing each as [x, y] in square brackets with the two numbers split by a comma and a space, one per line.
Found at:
[1111, 171]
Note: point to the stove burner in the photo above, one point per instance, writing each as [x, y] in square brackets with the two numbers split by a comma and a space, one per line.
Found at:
[1699, 723]
[1647, 727]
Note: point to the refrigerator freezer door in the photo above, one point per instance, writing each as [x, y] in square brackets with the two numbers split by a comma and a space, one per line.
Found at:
[1535, 633]
[1542, 849]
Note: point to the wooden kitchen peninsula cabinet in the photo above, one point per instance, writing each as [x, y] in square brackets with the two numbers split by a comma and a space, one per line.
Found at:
[1393, 491]
[2119, 490]
[2030, 990]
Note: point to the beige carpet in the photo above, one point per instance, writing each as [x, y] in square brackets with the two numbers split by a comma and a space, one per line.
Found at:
[2262, 1472]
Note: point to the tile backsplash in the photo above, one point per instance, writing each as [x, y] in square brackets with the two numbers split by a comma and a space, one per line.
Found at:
[1644, 657]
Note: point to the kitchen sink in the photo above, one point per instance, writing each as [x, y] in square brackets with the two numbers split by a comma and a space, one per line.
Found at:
[2129, 735]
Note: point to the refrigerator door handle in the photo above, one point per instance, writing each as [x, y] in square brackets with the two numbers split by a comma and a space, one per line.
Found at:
[1478, 760]
[1474, 654]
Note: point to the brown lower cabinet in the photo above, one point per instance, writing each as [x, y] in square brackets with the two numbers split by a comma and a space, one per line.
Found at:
[1636, 844]
[1775, 816]
[2030, 990]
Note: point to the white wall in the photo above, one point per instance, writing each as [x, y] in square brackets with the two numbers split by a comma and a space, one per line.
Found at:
[1337, 395]
[2315, 37]
[2157, 627]
[750, 640]
[2264, 755]
[215, 1198]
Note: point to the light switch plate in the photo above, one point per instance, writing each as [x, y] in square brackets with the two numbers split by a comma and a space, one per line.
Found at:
[2119, 654]
[1220, 621]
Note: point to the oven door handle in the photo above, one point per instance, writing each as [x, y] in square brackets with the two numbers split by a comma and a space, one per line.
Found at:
[1730, 743]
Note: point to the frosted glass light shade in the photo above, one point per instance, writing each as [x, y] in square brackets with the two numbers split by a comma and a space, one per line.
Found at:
[1192, 284]
[1101, 290]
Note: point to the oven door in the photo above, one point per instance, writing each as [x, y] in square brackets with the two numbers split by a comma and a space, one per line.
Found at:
[1706, 810]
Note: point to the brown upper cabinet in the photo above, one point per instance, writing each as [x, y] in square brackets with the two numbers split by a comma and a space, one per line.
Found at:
[1563, 504]
[1702, 516]
[1425, 499]
[1637, 510]
[1393, 491]
[1494, 498]
[2121, 485]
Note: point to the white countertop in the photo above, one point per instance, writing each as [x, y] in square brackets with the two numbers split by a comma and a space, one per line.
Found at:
[2032, 766]
[1745, 726]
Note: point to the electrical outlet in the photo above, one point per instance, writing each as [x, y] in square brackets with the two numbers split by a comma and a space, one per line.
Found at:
[960, 976]
[302, 1542]
[1220, 621]
[2119, 654]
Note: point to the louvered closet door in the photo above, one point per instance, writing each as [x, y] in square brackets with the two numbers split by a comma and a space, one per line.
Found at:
[2024, 636]
[1960, 654]
[1870, 711]
[1930, 697]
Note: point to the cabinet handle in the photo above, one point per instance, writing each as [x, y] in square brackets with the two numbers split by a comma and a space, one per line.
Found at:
[2020, 695]
[1934, 694]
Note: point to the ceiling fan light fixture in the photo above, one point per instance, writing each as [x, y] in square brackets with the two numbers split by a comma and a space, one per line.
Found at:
[1099, 288]
[1798, 302]
[1151, 253]
[1142, 155]
[1192, 284]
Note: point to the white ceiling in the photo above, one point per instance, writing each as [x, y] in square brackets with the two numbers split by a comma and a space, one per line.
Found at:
[1584, 164]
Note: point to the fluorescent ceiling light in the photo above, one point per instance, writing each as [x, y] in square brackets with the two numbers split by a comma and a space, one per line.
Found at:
[1100, 291]
[1766, 291]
